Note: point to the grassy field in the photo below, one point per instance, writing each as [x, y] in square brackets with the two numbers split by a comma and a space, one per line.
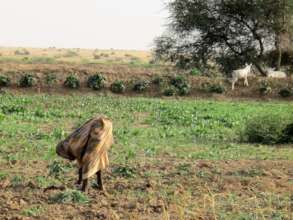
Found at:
[54, 55]
[172, 159]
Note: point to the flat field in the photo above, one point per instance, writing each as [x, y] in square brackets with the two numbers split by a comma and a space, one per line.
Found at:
[172, 159]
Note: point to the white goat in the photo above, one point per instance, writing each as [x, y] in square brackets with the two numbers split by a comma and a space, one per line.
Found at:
[275, 74]
[241, 74]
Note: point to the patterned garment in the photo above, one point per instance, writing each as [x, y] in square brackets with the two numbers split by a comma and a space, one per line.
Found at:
[89, 145]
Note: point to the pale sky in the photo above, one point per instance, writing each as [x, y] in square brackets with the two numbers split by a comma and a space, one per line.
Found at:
[102, 24]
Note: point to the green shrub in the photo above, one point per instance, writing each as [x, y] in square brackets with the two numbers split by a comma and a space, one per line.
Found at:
[285, 92]
[287, 136]
[178, 81]
[265, 129]
[170, 91]
[215, 88]
[70, 196]
[265, 88]
[4, 81]
[184, 90]
[124, 171]
[141, 85]
[27, 80]
[50, 79]
[71, 82]
[118, 87]
[96, 81]
[181, 84]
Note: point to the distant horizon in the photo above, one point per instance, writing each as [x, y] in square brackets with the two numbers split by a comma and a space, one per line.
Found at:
[81, 48]
[95, 24]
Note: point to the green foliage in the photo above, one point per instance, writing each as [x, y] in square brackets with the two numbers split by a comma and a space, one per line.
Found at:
[215, 88]
[57, 169]
[4, 81]
[195, 72]
[265, 129]
[285, 92]
[50, 79]
[71, 82]
[33, 211]
[27, 80]
[265, 88]
[118, 87]
[287, 134]
[181, 84]
[96, 81]
[17, 181]
[141, 85]
[70, 196]
[124, 171]
[170, 91]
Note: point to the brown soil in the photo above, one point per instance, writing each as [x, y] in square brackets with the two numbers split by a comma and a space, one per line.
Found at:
[163, 188]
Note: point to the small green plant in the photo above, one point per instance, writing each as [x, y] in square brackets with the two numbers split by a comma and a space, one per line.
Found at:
[27, 80]
[285, 92]
[215, 88]
[96, 81]
[17, 181]
[141, 85]
[4, 81]
[70, 196]
[50, 79]
[195, 72]
[71, 82]
[171, 91]
[3, 175]
[264, 88]
[124, 171]
[118, 87]
[57, 168]
[33, 211]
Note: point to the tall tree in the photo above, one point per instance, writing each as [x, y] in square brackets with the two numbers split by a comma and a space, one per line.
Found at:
[229, 31]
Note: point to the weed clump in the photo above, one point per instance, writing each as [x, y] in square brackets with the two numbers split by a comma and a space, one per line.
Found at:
[70, 196]
[4, 81]
[285, 92]
[96, 82]
[27, 80]
[118, 87]
[71, 82]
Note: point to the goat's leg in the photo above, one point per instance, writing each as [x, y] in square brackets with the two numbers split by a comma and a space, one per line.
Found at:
[233, 84]
[85, 185]
[99, 184]
[246, 82]
[79, 176]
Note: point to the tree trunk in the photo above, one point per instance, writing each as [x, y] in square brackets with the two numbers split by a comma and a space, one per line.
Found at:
[279, 53]
[260, 69]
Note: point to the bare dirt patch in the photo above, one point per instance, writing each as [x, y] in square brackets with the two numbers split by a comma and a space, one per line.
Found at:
[162, 188]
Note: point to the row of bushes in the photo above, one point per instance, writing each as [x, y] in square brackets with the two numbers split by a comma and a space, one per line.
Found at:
[175, 85]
